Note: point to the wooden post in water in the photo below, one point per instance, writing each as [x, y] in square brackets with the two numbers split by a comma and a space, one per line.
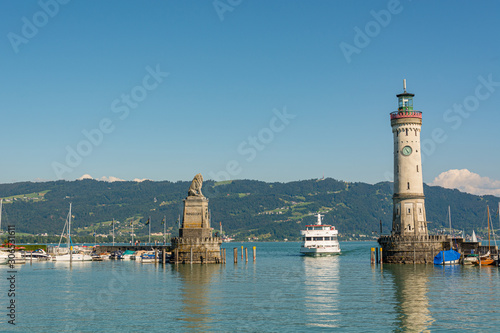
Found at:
[206, 256]
[381, 261]
[376, 256]
[372, 256]
[246, 254]
[224, 257]
[254, 253]
[235, 254]
[163, 259]
[191, 258]
[414, 253]
[242, 252]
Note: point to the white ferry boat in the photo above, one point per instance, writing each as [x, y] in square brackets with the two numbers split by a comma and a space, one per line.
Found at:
[319, 239]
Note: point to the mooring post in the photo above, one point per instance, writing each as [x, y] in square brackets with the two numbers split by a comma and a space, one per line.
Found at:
[206, 256]
[246, 254]
[254, 253]
[414, 254]
[156, 256]
[381, 260]
[191, 258]
[372, 256]
[235, 254]
[224, 258]
[242, 252]
[176, 256]
[376, 256]
[163, 259]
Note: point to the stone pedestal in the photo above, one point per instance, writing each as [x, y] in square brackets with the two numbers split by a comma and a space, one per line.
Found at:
[397, 249]
[195, 243]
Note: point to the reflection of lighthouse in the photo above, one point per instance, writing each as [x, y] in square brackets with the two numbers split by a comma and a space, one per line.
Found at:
[411, 296]
[409, 206]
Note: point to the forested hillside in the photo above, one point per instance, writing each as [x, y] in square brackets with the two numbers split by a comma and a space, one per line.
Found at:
[246, 208]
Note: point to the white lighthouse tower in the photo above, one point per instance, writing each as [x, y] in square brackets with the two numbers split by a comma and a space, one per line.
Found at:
[409, 201]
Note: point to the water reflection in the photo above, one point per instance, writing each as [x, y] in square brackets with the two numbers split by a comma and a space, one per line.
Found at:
[196, 300]
[412, 307]
[322, 291]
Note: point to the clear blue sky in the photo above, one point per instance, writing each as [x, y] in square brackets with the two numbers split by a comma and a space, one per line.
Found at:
[231, 70]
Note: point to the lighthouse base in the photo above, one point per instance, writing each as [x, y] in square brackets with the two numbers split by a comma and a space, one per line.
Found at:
[398, 249]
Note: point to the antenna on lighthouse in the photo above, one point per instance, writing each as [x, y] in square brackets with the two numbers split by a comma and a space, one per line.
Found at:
[404, 85]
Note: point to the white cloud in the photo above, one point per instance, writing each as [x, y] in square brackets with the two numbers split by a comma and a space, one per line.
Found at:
[109, 179]
[467, 181]
[85, 176]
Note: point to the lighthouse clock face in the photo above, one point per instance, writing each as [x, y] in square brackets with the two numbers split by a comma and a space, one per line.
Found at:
[406, 150]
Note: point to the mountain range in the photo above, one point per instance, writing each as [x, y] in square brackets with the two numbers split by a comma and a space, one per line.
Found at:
[244, 208]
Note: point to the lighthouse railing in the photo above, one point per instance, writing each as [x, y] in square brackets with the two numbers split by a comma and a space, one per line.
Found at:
[406, 114]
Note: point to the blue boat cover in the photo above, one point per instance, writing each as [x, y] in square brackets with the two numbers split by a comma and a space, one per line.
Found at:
[449, 255]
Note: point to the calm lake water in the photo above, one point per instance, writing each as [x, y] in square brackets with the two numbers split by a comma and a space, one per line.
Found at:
[281, 292]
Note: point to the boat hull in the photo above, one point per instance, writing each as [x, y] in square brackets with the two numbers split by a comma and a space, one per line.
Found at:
[319, 252]
[75, 257]
[449, 262]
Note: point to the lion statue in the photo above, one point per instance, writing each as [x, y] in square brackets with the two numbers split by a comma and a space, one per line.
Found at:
[195, 188]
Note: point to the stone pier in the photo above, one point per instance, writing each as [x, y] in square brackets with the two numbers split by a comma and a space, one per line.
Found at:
[397, 249]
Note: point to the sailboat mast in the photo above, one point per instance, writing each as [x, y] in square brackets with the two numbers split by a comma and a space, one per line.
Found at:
[69, 235]
[1, 202]
[488, 207]
[113, 232]
[449, 218]
[164, 229]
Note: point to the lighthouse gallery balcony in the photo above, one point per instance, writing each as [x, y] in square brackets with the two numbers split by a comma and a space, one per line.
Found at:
[406, 114]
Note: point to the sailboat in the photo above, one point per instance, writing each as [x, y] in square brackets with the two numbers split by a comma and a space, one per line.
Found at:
[474, 238]
[486, 259]
[450, 257]
[70, 256]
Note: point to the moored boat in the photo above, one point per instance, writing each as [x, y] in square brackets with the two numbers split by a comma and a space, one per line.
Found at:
[148, 257]
[128, 254]
[450, 257]
[319, 239]
[38, 254]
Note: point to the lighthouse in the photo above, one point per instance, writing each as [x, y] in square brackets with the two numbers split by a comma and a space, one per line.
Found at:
[409, 201]
[409, 241]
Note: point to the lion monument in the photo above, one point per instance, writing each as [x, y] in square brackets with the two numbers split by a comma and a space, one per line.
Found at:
[195, 188]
